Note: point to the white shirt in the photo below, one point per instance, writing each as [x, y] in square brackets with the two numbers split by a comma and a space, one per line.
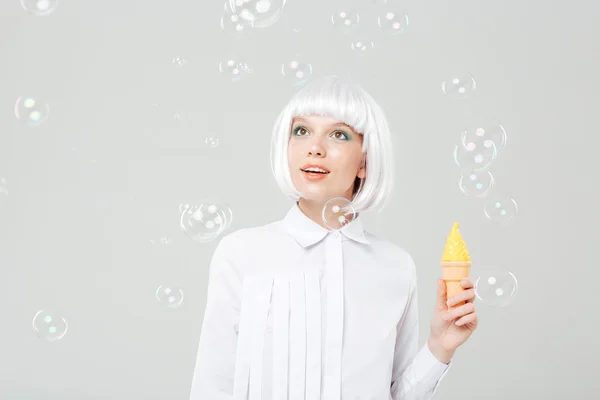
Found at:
[297, 312]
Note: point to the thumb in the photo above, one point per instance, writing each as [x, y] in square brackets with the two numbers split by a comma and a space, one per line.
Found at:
[441, 295]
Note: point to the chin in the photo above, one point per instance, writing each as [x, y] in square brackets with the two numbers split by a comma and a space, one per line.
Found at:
[319, 192]
[317, 196]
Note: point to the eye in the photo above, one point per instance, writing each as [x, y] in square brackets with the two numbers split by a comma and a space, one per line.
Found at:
[300, 131]
[341, 135]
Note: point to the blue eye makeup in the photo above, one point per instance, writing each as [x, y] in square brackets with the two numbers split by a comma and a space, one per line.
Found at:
[345, 136]
[297, 129]
[338, 135]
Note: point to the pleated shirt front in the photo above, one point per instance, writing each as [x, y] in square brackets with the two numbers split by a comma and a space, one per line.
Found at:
[297, 312]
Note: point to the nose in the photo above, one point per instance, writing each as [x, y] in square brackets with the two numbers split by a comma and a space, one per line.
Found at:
[316, 148]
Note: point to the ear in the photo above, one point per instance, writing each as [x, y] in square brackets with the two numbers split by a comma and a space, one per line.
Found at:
[362, 172]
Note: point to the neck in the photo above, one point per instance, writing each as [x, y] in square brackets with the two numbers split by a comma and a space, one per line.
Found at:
[313, 209]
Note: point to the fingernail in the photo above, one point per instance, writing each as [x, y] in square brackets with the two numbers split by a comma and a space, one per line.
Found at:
[464, 282]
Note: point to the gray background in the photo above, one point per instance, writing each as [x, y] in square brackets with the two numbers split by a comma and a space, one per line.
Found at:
[90, 188]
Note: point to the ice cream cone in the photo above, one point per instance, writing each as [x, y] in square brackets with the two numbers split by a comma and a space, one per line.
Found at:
[453, 272]
[456, 264]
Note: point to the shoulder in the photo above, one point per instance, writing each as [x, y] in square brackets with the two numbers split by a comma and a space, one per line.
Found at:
[250, 250]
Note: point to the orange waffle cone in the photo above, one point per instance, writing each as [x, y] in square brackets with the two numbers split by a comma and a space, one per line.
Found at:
[452, 273]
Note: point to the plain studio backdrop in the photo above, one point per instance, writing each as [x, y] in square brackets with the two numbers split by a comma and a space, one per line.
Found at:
[131, 135]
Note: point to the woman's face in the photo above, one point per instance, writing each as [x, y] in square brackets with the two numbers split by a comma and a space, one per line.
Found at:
[331, 149]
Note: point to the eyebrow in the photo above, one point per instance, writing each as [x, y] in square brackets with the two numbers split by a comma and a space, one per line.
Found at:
[300, 119]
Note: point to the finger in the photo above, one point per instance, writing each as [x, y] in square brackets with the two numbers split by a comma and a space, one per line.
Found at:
[466, 283]
[441, 295]
[459, 312]
[469, 318]
[467, 295]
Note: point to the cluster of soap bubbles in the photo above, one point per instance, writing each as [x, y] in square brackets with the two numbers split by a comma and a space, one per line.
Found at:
[474, 154]
[241, 17]
[390, 19]
[476, 151]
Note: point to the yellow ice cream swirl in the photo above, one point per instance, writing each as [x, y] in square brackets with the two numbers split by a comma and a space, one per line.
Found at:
[456, 249]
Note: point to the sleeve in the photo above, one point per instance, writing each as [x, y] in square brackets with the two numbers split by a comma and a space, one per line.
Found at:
[416, 372]
[215, 361]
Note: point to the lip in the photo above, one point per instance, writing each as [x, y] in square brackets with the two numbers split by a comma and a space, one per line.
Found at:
[314, 166]
[311, 176]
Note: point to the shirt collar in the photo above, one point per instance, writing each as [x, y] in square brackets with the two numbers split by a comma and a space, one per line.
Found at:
[307, 232]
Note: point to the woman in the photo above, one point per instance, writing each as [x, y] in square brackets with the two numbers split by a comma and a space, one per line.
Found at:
[299, 311]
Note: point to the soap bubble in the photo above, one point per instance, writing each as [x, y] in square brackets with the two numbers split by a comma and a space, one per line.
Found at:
[234, 69]
[260, 13]
[205, 222]
[459, 87]
[234, 25]
[169, 296]
[31, 111]
[345, 21]
[296, 70]
[49, 325]
[211, 142]
[485, 135]
[500, 208]
[496, 287]
[476, 183]
[179, 61]
[39, 8]
[475, 156]
[337, 213]
[392, 21]
[362, 46]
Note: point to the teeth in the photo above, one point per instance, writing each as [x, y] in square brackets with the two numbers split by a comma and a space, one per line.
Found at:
[315, 170]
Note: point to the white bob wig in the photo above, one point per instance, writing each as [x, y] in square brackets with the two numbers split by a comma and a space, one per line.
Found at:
[348, 103]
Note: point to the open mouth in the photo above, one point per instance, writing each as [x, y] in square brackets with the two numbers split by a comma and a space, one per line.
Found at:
[316, 172]
[314, 169]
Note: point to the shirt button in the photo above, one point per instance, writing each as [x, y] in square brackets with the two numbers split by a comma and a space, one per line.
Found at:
[236, 329]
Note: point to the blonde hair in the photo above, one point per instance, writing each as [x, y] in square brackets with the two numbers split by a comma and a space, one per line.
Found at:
[348, 103]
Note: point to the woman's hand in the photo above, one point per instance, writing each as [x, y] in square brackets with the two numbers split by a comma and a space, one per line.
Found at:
[451, 328]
